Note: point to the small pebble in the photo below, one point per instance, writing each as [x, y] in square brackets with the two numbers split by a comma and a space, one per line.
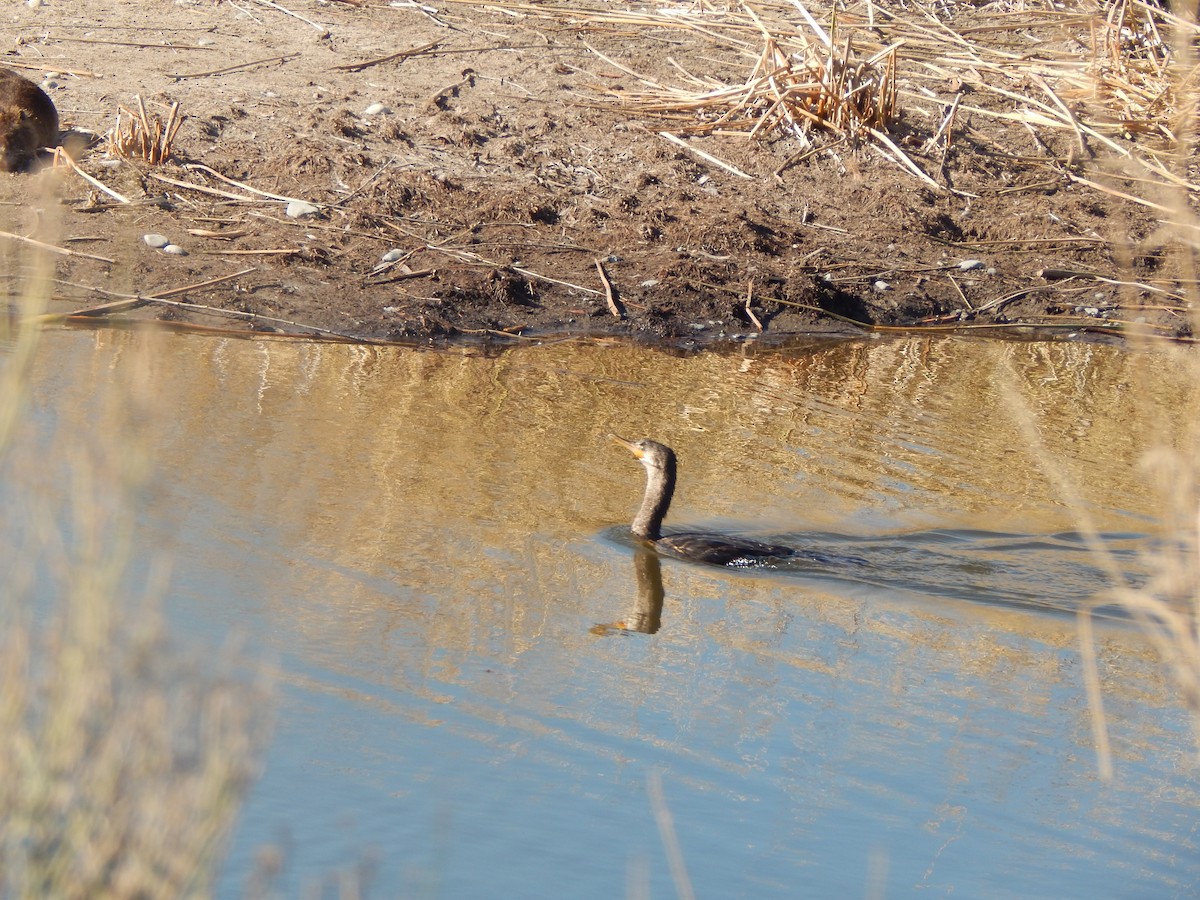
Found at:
[882, 286]
[157, 241]
[969, 265]
[376, 109]
[649, 282]
[174, 250]
[392, 255]
[298, 209]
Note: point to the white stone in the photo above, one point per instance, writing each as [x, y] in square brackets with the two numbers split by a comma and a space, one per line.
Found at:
[157, 241]
[299, 209]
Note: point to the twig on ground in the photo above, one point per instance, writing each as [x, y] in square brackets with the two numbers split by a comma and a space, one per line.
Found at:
[749, 311]
[708, 157]
[287, 57]
[61, 156]
[132, 301]
[283, 9]
[51, 248]
[403, 54]
[610, 295]
[200, 167]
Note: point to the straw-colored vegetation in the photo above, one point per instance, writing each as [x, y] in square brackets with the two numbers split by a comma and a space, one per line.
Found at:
[1109, 75]
[141, 136]
[123, 756]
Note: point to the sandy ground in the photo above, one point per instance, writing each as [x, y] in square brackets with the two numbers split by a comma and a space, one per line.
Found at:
[488, 181]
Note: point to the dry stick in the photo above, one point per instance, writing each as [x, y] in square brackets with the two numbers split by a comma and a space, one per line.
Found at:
[628, 71]
[1060, 274]
[219, 235]
[281, 252]
[402, 276]
[812, 23]
[945, 128]
[61, 155]
[246, 65]
[902, 158]
[733, 170]
[403, 54]
[74, 73]
[200, 167]
[1085, 152]
[132, 301]
[321, 28]
[467, 256]
[201, 188]
[255, 317]
[61, 251]
[138, 44]
[173, 123]
[614, 305]
[749, 311]
[1115, 193]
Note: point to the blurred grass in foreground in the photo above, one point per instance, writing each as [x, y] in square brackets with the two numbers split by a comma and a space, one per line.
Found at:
[1167, 607]
[124, 756]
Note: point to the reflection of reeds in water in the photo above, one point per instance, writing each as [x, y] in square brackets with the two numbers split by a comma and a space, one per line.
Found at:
[122, 759]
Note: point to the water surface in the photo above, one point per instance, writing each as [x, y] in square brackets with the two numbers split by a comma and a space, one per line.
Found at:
[430, 546]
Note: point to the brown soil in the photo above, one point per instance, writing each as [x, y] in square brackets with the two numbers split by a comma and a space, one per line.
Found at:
[511, 187]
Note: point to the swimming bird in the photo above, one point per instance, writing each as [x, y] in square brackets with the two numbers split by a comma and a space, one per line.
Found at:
[718, 549]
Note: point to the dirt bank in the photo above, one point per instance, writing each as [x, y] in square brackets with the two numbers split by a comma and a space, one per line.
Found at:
[491, 170]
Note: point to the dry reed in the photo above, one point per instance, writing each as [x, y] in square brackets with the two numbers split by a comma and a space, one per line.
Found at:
[140, 136]
[1105, 73]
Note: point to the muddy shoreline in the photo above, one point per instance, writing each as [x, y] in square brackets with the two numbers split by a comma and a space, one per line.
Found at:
[458, 172]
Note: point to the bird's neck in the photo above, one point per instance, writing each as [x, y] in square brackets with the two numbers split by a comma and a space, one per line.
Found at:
[660, 485]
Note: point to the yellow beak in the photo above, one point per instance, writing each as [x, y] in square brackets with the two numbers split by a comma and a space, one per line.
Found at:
[628, 445]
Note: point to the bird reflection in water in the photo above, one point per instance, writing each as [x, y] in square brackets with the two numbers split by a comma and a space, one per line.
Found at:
[646, 615]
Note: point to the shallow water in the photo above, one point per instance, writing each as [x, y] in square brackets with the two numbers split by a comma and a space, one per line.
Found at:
[483, 679]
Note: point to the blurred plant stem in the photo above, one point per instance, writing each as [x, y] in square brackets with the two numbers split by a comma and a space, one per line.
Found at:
[124, 756]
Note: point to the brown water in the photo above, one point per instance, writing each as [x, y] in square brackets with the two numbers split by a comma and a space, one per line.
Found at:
[431, 547]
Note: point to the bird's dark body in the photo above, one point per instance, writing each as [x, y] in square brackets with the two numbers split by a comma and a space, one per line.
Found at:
[722, 549]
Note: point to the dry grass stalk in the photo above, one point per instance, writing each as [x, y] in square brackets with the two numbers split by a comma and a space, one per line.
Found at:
[830, 90]
[1123, 96]
[1167, 608]
[138, 136]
